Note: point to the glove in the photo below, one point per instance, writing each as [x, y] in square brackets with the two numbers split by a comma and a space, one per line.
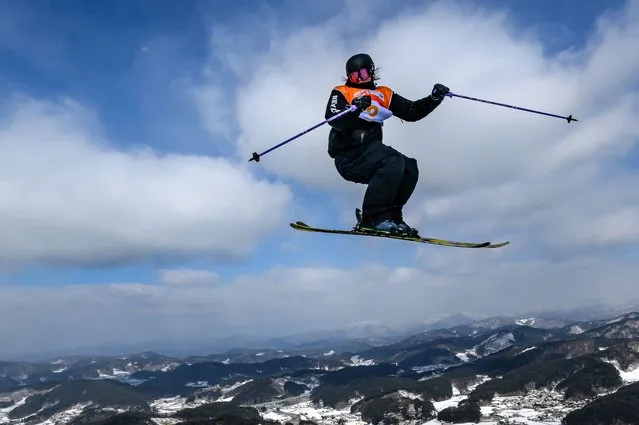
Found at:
[362, 102]
[439, 91]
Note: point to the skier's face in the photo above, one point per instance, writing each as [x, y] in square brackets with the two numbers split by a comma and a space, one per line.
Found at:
[361, 76]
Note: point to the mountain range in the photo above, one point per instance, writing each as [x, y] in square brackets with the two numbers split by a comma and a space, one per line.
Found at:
[536, 369]
[368, 332]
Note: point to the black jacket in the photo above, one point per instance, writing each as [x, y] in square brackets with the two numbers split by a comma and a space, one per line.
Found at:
[349, 131]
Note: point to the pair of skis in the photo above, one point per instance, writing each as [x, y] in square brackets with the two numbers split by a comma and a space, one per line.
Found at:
[299, 225]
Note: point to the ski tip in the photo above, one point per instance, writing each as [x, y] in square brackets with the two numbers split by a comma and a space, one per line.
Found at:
[299, 224]
[497, 245]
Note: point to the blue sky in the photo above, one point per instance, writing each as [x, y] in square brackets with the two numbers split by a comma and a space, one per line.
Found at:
[139, 67]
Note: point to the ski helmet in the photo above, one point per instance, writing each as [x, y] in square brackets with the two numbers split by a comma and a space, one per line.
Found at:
[358, 62]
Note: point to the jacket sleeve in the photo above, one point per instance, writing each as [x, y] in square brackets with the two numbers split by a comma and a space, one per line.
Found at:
[412, 111]
[336, 104]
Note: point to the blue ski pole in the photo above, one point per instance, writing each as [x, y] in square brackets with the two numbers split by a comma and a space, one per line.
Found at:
[568, 118]
[256, 156]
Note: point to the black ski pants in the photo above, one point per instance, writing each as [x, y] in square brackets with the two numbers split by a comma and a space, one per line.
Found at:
[391, 178]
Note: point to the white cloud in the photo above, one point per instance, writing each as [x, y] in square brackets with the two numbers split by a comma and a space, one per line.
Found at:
[187, 277]
[215, 113]
[288, 300]
[68, 197]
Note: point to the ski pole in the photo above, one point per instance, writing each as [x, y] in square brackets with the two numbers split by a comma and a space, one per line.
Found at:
[256, 156]
[568, 118]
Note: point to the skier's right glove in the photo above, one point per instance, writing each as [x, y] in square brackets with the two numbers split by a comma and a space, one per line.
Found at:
[362, 103]
[439, 91]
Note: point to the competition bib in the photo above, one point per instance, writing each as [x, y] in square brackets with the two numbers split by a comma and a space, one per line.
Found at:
[380, 100]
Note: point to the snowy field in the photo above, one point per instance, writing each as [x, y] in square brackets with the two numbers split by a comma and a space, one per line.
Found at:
[539, 407]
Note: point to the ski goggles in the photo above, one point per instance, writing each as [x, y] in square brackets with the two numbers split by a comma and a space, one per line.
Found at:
[360, 75]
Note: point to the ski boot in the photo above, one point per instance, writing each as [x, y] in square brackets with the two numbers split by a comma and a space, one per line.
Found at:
[385, 226]
[405, 229]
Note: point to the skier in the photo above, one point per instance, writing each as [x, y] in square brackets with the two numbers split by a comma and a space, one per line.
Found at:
[355, 143]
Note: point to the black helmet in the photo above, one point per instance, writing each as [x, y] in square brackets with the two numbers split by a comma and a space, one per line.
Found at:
[359, 61]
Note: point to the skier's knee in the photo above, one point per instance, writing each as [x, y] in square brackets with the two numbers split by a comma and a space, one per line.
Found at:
[394, 164]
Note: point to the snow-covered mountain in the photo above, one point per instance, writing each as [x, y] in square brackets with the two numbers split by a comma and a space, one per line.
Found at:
[463, 374]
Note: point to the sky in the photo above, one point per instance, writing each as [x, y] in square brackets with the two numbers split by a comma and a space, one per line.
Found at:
[130, 212]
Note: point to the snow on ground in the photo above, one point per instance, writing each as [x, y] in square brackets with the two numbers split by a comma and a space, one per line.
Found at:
[430, 368]
[70, 414]
[61, 418]
[273, 416]
[168, 405]
[236, 385]
[408, 394]
[630, 376]
[173, 404]
[463, 357]
[526, 322]
[451, 402]
[455, 390]
[537, 408]
[358, 361]
[197, 384]
[519, 422]
[527, 349]
[309, 381]
[119, 375]
[627, 376]
[131, 381]
[576, 330]
[166, 421]
[467, 355]
[60, 370]
[497, 342]
[4, 413]
[307, 411]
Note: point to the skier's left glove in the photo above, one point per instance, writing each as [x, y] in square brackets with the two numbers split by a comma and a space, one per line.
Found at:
[439, 91]
[362, 102]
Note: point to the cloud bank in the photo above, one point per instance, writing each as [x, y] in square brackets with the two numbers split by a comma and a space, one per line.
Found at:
[68, 197]
[286, 301]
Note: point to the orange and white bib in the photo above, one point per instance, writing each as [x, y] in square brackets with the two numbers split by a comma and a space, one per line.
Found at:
[380, 100]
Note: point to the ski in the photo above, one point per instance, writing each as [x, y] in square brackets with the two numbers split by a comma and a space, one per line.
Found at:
[299, 225]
